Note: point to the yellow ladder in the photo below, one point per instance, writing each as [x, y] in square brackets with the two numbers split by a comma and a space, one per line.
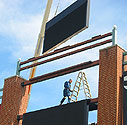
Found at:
[81, 79]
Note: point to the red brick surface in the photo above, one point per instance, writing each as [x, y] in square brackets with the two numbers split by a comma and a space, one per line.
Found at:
[14, 101]
[110, 86]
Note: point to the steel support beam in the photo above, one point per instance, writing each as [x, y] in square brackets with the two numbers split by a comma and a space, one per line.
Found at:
[66, 54]
[95, 100]
[93, 104]
[67, 48]
[61, 72]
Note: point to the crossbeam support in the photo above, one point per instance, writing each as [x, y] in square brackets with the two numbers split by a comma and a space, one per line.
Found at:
[67, 54]
[67, 48]
[61, 72]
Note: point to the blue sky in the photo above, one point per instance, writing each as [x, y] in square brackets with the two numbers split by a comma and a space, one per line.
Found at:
[20, 23]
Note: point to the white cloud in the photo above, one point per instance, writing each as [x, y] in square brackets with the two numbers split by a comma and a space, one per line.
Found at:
[23, 28]
[1, 5]
[25, 33]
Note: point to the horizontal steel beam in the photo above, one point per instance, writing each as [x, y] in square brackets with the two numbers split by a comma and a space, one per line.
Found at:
[66, 54]
[93, 104]
[67, 48]
[95, 100]
[61, 72]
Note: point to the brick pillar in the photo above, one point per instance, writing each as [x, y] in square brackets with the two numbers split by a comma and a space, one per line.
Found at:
[14, 101]
[110, 97]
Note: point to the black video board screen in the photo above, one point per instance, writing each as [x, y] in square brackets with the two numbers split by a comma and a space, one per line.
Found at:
[69, 114]
[67, 24]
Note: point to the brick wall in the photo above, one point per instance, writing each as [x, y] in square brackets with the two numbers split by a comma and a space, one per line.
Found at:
[14, 101]
[110, 95]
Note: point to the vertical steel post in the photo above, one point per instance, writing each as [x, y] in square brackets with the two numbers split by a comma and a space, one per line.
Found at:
[18, 67]
[114, 35]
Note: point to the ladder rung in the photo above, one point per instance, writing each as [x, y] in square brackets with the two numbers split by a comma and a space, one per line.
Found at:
[74, 96]
[80, 77]
[86, 85]
[87, 93]
[124, 53]
[84, 80]
[78, 82]
[77, 86]
[75, 91]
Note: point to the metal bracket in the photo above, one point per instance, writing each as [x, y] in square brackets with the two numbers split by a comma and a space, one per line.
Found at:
[18, 67]
[114, 35]
[22, 84]
[19, 117]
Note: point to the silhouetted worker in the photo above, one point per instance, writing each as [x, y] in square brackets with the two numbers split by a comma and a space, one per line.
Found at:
[66, 91]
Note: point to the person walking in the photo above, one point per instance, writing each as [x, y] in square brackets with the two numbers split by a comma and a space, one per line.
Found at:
[67, 90]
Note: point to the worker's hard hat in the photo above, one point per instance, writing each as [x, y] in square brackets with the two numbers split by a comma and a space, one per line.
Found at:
[70, 80]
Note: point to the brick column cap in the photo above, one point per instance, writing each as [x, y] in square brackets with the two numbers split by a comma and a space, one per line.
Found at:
[15, 77]
[112, 47]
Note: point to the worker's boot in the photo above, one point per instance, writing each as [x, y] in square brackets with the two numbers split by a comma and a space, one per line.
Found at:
[69, 99]
[62, 100]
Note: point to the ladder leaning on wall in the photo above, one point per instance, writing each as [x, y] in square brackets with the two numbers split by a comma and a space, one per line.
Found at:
[81, 79]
